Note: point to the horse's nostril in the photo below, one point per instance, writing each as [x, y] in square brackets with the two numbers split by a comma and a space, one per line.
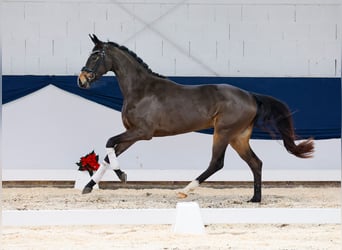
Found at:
[81, 84]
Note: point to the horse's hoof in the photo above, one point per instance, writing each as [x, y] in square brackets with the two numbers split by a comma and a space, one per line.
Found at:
[123, 177]
[87, 190]
[254, 199]
[181, 195]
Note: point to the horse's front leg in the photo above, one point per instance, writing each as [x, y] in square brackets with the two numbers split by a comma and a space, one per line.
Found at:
[113, 164]
[120, 143]
[115, 146]
[111, 158]
[95, 178]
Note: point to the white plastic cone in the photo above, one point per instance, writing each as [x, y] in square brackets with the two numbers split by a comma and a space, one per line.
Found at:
[188, 219]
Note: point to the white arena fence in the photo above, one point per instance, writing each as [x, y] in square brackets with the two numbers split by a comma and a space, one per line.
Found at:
[168, 216]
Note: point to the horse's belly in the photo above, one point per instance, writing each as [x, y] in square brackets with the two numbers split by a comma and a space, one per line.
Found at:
[176, 126]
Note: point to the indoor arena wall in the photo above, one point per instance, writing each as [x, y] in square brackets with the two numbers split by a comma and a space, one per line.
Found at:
[50, 128]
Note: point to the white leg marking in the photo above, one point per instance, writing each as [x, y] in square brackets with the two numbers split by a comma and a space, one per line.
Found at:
[191, 186]
[114, 164]
[100, 172]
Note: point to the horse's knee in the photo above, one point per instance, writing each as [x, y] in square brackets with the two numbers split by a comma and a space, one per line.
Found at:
[111, 142]
[122, 147]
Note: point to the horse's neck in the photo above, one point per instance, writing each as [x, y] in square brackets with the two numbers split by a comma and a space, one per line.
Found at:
[128, 71]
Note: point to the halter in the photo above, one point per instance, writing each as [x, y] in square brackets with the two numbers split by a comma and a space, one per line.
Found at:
[97, 64]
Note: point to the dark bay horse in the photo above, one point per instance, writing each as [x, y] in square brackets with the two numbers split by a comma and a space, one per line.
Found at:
[155, 106]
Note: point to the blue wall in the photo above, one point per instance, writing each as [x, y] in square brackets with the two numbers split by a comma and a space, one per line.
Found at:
[315, 102]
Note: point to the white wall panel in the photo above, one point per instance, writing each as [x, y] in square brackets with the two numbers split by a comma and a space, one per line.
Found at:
[149, 48]
[15, 64]
[321, 67]
[294, 65]
[32, 47]
[242, 31]
[59, 61]
[255, 66]
[203, 49]
[75, 63]
[53, 29]
[108, 30]
[22, 30]
[93, 12]
[192, 29]
[66, 47]
[272, 31]
[257, 48]
[281, 13]
[255, 14]
[32, 65]
[117, 13]
[283, 48]
[228, 13]
[323, 31]
[79, 29]
[332, 50]
[12, 13]
[169, 55]
[184, 64]
[155, 11]
[201, 13]
[296, 31]
[14, 47]
[65, 10]
[317, 13]
[310, 49]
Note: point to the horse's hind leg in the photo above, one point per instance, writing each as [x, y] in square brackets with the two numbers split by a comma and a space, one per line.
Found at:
[242, 147]
[217, 161]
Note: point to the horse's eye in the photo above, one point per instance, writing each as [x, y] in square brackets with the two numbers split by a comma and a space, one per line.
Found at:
[94, 58]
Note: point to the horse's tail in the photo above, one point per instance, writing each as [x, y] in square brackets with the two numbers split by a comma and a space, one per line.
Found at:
[274, 115]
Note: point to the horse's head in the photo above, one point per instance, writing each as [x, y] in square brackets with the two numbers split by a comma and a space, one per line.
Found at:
[96, 66]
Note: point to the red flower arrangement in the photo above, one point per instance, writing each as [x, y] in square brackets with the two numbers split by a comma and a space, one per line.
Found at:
[89, 163]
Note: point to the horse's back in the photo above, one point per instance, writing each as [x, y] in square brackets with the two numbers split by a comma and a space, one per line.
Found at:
[169, 108]
[208, 105]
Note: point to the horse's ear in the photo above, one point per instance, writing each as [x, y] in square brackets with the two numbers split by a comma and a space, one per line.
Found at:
[94, 39]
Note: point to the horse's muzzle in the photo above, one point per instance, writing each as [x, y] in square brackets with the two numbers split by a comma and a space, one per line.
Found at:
[83, 80]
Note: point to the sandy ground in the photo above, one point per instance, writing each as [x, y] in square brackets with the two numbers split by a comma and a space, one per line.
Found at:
[160, 237]
[69, 198]
[219, 236]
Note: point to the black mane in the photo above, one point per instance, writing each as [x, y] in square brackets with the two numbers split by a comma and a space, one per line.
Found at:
[137, 58]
